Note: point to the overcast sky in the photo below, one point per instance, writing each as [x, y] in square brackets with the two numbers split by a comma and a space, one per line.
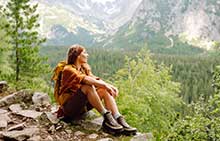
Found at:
[102, 1]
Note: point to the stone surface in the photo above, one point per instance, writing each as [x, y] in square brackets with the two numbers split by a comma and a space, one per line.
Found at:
[17, 127]
[92, 136]
[97, 121]
[79, 133]
[28, 124]
[30, 113]
[2, 111]
[52, 129]
[68, 131]
[40, 98]
[15, 108]
[4, 119]
[35, 138]
[20, 135]
[3, 124]
[105, 139]
[52, 117]
[23, 95]
[88, 125]
[142, 137]
[49, 138]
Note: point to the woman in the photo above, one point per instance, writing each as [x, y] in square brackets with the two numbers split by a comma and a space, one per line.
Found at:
[81, 91]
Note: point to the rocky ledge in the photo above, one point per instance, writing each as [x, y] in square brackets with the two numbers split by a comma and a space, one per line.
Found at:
[28, 115]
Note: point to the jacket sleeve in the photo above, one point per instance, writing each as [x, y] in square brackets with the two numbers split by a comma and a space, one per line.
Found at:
[72, 76]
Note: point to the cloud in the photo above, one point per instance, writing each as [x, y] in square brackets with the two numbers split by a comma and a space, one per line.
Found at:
[102, 1]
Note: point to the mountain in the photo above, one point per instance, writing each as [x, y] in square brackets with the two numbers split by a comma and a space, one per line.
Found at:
[193, 22]
[121, 23]
[97, 20]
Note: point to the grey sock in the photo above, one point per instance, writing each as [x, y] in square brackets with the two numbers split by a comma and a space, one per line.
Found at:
[116, 115]
[104, 111]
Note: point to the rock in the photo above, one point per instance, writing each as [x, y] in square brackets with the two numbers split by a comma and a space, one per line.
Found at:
[20, 135]
[3, 124]
[29, 113]
[52, 129]
[52, 117]
[68, 131]
[92, 136]
[142, 137]
[3, 86]
[95, 124]
[49, 138]
[17, 127]
[105, 139]
[4, 119]
[2, 111]
[89, 115]
[23, 95]
[97, 121]
[58, 127]
[39, 98]
[54, 108]
[88, 125]
[35, 138]
[15, 108]
[105, 134]
[1, 136]
[79, 133]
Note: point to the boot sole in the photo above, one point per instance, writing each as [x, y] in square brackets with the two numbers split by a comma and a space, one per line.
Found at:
[111, 131]
[129, 133]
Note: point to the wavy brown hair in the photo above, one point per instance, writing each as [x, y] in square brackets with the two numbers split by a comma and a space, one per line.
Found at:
[72, 54]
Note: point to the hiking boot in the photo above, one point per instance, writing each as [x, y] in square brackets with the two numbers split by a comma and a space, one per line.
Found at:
[110, 125]
[128, 130]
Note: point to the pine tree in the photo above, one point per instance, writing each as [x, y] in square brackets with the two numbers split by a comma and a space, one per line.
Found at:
[5, 70]
[22, 27]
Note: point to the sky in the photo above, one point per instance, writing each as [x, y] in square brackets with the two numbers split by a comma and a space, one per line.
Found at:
[102, 1]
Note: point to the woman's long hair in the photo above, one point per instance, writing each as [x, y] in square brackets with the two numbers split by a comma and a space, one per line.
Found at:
[72, 54]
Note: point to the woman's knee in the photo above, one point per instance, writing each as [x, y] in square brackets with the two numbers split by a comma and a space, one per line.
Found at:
[103, 93]
[87, 89]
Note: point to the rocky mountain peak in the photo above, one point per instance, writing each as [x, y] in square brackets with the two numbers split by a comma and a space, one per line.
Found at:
[186, 18]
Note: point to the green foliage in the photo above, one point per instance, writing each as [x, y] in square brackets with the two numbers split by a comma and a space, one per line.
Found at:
[193, 72]
[22, 27]
[216, 80]
[6, 69]
[203, 119]
[148, 97]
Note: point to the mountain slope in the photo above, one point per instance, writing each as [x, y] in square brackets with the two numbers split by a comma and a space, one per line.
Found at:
[99, 20]
[192, 22]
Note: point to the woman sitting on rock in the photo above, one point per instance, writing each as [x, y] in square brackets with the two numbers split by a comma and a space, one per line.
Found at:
[81, 91]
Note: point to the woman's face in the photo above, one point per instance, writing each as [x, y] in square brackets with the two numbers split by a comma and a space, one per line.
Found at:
[83, 56]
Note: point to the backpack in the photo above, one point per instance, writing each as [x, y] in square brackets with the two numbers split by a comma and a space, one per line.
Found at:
[57, 75]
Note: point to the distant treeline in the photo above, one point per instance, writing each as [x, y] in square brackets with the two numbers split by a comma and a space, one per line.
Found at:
[192, 71]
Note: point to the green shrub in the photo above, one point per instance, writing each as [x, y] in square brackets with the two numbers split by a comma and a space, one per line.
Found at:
[203, 120]
[148, 97]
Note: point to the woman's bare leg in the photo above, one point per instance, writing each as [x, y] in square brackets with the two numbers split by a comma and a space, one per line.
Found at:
[109, 101]
[93, 97]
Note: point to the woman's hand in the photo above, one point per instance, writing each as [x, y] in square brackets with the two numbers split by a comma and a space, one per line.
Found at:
[112, 90]
[115, 90]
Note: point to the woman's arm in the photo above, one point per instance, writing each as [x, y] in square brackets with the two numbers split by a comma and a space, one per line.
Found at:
[100, 83]
[113, 87]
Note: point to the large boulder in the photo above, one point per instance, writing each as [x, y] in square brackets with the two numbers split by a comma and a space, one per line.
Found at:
[40, 98]
[23, 95]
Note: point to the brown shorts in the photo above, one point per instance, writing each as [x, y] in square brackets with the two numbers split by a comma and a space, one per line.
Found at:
[76, 105]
